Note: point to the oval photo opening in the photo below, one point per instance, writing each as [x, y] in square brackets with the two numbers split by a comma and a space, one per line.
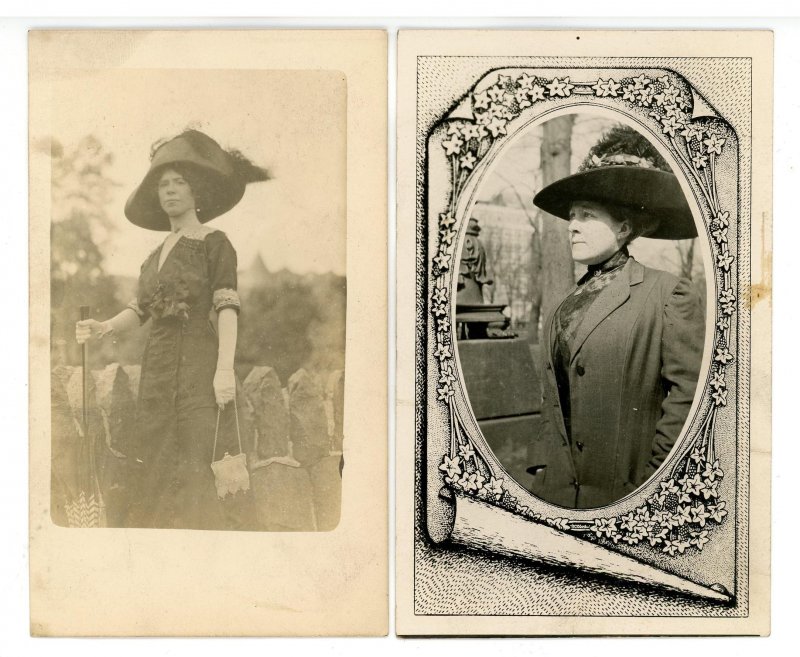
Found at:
[581, 309]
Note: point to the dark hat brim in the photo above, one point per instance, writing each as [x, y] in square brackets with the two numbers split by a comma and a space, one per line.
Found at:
[656, 194]
[213, 168]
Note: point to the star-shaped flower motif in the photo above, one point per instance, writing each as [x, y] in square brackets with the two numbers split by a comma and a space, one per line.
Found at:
[722, 219]
[718, 380]
[467, 161]
[693, 485]
[717, 511]
[495, 487]
[700, 515]
[670, 547]
[465, 451]
[692, 131]
[646, 96]
[710, 489]
[697, 455]
[683, 514]
[714, 144]
[664, 80]
[699, 160]
[669, 124]
[699, 539]
[559, 87]
[522, 98]
[503, 80]
[671, 93]
[453, 145]
[443, 352]
[482, 100]
[727, 295]
[642, 513]
[445, 393]
[525, 81]
[446, 237]
[604, 527]
[723, 323]
[720, 235]
[497, 127]
[453, 128]
[537, 92]
[439, 295]
[629, 522]
[723, 355]
[442, 261]
[451, 467]
[641, 81]
[603, 88]
[471, 482]
[446, 376]
[446, 220]
[724, 260]
[712, 471]
[470, 131]
[497, 94]
[720, 397]
[443, 324]
[499, 111]
[668, 487]
[729, 308]
[629, 92]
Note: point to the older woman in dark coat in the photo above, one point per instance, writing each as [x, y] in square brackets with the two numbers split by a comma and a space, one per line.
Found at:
[621, 354]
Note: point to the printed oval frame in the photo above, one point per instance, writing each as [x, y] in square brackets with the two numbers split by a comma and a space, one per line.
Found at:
[676, 509]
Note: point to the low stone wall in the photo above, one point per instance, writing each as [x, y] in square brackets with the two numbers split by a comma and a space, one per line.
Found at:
[293, 438]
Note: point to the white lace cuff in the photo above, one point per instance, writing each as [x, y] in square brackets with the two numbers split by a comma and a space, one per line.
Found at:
[226, 298]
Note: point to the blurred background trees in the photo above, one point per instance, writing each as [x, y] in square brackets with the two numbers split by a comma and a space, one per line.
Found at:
[289, 320]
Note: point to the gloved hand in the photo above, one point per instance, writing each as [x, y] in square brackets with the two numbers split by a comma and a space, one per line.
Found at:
[224, 386]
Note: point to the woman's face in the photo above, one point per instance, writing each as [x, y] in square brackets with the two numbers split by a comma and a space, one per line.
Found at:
[594, 234]
[174, 194]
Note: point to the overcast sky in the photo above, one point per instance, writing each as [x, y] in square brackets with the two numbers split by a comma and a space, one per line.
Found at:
[292, 122]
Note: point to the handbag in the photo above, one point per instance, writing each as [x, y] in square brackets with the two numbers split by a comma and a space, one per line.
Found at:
[230, 472]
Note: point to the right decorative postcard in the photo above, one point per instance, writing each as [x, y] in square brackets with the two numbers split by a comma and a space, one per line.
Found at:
[584, 316]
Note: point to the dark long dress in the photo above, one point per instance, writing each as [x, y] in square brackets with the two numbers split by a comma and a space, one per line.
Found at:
[177, 412]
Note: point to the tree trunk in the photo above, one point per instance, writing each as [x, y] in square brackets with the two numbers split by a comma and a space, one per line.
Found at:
[553, 274]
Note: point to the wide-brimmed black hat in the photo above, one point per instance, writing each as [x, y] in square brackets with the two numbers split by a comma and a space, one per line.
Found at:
[624, 169]
[223, 174]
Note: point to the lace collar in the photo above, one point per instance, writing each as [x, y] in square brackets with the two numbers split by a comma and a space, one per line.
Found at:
[197, 233]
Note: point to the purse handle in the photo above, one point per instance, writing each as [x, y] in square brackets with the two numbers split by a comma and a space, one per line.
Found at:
[216, 430]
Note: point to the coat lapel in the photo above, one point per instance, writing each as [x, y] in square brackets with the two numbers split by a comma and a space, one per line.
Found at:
[610, 298]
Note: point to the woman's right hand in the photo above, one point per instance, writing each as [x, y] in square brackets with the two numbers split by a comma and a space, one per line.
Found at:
[86, 329]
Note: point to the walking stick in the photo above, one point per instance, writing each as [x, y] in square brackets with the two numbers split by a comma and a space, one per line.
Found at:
[89, 509]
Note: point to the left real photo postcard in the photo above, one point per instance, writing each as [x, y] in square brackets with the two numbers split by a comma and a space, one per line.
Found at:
[208, 342]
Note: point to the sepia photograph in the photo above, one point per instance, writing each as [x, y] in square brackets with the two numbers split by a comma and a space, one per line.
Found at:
[208, 303]
[198, 300]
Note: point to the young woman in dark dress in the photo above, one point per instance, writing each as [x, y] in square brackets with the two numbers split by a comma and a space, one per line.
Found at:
[621, 353]
[187, 288]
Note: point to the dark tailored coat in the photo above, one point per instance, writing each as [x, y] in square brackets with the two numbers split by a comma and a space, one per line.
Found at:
[633, 372]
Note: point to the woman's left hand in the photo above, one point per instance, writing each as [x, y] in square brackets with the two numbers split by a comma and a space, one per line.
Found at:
[224, 386]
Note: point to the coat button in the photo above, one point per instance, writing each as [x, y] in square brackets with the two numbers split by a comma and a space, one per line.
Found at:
[575, 484]
[580, 370]
[549, 366]
[579, 445]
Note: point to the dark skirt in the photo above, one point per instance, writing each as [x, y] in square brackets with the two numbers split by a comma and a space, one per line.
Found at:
[173, 483]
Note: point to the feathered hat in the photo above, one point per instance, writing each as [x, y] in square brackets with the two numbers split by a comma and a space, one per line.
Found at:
[224, 175]
[624, 169]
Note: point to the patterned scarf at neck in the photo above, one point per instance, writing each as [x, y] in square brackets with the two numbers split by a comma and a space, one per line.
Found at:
[614, 262]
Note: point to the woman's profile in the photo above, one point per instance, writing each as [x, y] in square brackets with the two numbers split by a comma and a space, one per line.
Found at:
[188, 289]
[621, 353]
